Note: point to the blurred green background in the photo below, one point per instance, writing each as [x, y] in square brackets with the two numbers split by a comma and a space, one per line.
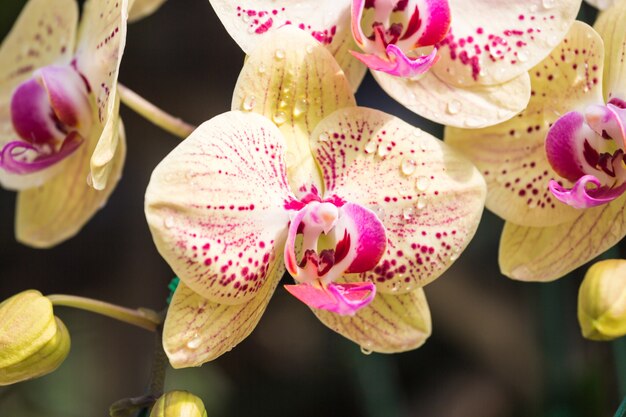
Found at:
[499, 347]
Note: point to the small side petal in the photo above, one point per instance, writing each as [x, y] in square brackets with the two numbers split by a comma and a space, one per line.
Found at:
[389, 324]
[295, 82]
[581, 196]
[472, 107]
[428, 197]
[102, 38]
[548, 253]
[215, 206]
[343, 299]
[197, 330]
[57, 210]
[512, 156]
[493, 42]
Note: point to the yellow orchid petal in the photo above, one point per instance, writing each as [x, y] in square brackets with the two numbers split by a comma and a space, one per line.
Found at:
[389, 324]
[102, 157]
[512, 156]
[197, 330]
[43, 34]
[548, 253]
[138, 9]
[295, 82]
[57, 210]
[216, 206]
[428, 196]
[610, 26]
[102, 37]
[473, 107]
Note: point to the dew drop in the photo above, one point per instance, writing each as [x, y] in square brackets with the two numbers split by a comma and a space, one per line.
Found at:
[194, 343]
[548, 4]
[279, 117]
[474, 122]
[309, 49]
[454, 256]
[371, 146]
[533, 8]
[366, 351]
[454, 107]
[245, 18]
[299, 107]
[378, 210]
[279, 54]
[407, 213]
[421, 203]
[249, 102]
[168, 222]
[532, 203]
[324, 137]
[522, 56]
[282, 104]
[261, 69]
[408, 166]
[383, 150]
[422, 183]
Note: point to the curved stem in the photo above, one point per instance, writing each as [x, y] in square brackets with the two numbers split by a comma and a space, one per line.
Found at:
[621, 411]
[149, 111]
[144, 318]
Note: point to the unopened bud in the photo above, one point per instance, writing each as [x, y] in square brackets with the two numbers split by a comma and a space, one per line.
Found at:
[602, 300]
[32, 341]
[178, 404]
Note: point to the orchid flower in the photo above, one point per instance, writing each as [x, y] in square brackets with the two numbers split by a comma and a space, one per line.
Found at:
[359, 207]
[555, 172]
[58, 110]
[472, 75]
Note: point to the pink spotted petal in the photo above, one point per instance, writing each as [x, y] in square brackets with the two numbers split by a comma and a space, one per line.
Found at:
[398, 63]
[608, 120]
[19, 157]
[68, 95]
[581, 196]
[343, 299]
[563, 145]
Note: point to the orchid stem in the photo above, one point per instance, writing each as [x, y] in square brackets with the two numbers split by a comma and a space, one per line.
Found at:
[621, 411]
[144, 318]
[149, 111]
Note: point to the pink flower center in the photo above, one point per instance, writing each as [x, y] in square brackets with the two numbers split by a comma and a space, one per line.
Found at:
[52, 114]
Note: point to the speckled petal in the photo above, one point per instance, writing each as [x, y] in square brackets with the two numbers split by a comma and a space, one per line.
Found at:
[250, 22]
[138, 9]
[54, 212]
[610, 26]
[472, 107]
[43, 34]
[101, 41]
[389, 324]
[548, 253]
[215, 206]
[293, 81]
[428, 197]
[491, 42]
[512, 155]
[197, 330]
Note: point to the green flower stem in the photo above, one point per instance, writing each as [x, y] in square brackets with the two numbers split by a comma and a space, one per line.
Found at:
[621, 411]
[619, 353]
[144, 318]
[149, 111]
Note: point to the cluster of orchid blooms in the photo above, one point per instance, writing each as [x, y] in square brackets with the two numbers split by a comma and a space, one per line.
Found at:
[359, 207]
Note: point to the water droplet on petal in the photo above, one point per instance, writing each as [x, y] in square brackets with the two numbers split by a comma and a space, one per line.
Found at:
[422, 183]
[454, 106]
[365, 351]
[261, 69]
[474, 122]
[245, 17]
[408, 166]
[194, 343]
[309, 49]
[421, 203]
[533, 8]
[383, 150]
[168, 222]
[279, 54]
[249, 102]
[299, 107]
[378, 210]
[548, 4]
[324, 137]
[407, 213]
[371, 146]
[279, 117]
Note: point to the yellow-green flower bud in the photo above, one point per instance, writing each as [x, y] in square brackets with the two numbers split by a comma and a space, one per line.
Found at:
[33, 342]
[178, 404]
[602, 300]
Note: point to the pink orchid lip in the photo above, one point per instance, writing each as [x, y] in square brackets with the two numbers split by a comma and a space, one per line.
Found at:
[578, 148]
[51, 113]
[388, 47]
[357, 243]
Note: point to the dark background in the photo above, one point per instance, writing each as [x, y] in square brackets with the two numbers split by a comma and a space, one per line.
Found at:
[499, 347]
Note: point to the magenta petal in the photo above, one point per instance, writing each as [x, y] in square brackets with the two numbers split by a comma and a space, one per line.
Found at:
[608, 120]
[399, 64]
[32, 115]
[343, 299]
[579, 196]
[437, 24]
[367, 234]
[561, 145]
[13, 155]
[67, 93]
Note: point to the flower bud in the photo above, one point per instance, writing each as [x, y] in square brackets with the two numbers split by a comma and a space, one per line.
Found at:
[178, 404]
[602, 300]
[33, 342]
